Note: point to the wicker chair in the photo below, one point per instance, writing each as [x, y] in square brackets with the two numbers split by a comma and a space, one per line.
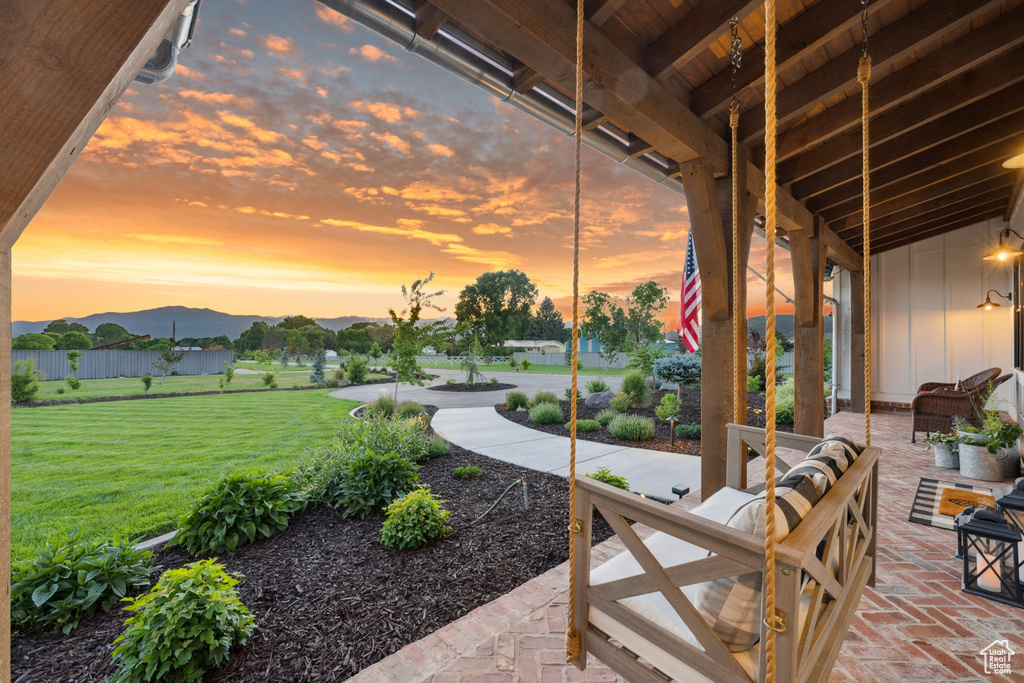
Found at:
[934, 410]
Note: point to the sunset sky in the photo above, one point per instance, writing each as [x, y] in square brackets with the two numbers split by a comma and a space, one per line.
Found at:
[299, 163]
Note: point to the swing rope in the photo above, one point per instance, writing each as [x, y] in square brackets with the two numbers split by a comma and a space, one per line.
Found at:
[572, 638]
[739, 356]
[863, 76]
[770, 620]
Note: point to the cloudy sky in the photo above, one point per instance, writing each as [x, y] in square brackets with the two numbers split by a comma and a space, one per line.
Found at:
[299, 163]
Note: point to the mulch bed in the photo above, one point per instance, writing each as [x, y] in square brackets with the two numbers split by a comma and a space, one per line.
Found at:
[689, 413]
[140, 397]
[330, 601]
[478, 386]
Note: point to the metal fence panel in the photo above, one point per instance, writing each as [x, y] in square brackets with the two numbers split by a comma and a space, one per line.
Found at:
[109, 363]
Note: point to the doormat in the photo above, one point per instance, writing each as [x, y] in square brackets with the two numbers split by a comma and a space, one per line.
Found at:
[954, 501]
[928, 499]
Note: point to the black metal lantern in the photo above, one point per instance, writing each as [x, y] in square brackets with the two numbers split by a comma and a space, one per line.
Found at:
[967, 513]
[991, 558]
[1010, 500]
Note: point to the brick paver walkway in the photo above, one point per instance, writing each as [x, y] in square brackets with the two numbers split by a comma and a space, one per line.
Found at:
[915, 625]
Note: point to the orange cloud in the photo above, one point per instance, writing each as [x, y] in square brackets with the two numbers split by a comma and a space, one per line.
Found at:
[408, 231]
[329, 16]
[282, 47]
[492, 229]
[260, 134]
[294, 74]
[176, 239]
[441, 150]
[369, 53]
[492, 259]
[189, 73]
[389, 113]
[393, 141]
[217, 98]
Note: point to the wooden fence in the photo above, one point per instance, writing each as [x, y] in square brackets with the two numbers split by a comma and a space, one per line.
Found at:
[106, 364]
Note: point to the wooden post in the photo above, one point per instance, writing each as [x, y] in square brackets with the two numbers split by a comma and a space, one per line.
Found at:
[808, 256]
[856, 341]
[5, 465]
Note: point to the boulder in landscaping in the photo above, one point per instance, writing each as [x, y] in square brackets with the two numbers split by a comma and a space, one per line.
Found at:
[600, 400]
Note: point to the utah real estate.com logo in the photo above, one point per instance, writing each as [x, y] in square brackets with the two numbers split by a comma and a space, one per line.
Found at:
[997, 657]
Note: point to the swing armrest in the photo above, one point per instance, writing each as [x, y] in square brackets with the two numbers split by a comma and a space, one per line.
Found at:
[743, 436]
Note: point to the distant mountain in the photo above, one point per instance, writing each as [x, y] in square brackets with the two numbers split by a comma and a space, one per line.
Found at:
[190, 322]
[784, 324]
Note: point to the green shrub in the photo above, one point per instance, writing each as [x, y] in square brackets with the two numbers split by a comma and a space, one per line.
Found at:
[584, 426]
[525, 364]
[605, 476]
[379, 435]
[596, 386]
[494, 382]
[546, 414]
[568, 394]
[61, 390]
[437, 446]
[514, 400]
[73, 382]
[512, 362]
[408, 409]
[467, 472]
[357, 370]
[270, 380]
[632, 427]
[24, 381]
[183, 627]
[237, 510]
[229, 372]
[450, 383]
[620, 402]
[669, 408]
[753, 383]
[147, 382]
[605, 417]
[784, 415]
[688, 431]
[368, 483]
[544, 397]
[636, 388]
[332, 384]
[72, 580]
[384, 406]
[681, 369]
[414, 520]
[339, 375]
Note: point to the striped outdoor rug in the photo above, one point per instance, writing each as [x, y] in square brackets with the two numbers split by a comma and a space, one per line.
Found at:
[926, 502]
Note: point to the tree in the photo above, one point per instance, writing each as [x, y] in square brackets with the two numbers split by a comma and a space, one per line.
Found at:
[252, 338]
[497, 306]
[296, 342]
[109, 333]
[680, 369]
[375, 353]
[73, 340]
[604, 321]
[644, 356]
[295, 322]
[274, 338]
[642, 309]
[410, 336]
[168, 359]
[33, 342]
[62, 327]
[319, 361]
[547, 323]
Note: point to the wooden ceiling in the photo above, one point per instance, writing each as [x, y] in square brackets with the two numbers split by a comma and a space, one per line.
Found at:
[946, 94]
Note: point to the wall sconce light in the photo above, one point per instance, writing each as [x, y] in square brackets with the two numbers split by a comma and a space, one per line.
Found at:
[1004, 252]
[988, 305]
[1014, 162]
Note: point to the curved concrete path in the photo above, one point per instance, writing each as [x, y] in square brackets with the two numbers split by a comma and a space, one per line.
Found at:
[486, 432]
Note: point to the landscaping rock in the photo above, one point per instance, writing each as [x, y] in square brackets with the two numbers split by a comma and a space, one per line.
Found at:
[657, 383]
[600, 400]
[344, 383]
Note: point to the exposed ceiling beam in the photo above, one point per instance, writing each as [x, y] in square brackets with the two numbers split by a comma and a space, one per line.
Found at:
[693, 33]
[429, 19]
[897, 40]
[923, 232]
[839, 252]
[922, 189]
[598, 12]
[592, 119]
[805, 33]
[897, 223]
[639, 147]
[959, 95]
[960, 132]
[919, 171]
[524, 78]
[951, 61]
[940, 194]
[63, 68]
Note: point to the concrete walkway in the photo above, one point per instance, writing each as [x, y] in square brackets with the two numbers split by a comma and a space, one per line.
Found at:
[486, 432]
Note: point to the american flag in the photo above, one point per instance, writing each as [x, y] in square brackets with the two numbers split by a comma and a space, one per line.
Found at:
[689, 305]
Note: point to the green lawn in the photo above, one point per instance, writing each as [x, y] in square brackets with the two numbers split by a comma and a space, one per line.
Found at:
[93, 388]
[133, 467]
[535, 369]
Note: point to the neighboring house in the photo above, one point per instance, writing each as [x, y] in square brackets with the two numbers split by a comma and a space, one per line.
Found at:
[188, 348]
[330, 354]
[429, 351]
[536, 345]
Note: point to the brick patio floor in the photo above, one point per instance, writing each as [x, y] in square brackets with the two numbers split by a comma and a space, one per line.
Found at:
[915, 625]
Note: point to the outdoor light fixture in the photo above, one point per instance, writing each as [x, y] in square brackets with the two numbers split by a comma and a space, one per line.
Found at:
[672, 432]
[1004, 252]
[1014, 162]
[988, 305]
[991, 558]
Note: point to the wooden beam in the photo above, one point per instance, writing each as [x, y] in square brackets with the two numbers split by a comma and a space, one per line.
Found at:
[805, 33]
[592, 119]
[809, 339]
[792, 215]
[883, 220]
[524, 79]
[919, 190]
[638, 147]
[916, 30]
[838, 251]
[63, 67]
[693, 33]
[598, 12]
[708, 238]
[803, 278]
[989, 120]
[857, 388]
[919, 171]
[1015, 195]
[540, 33]
[5, 466]
[938, 229]
[970, 96]
[428, 19]
[923, 228]
[953, 60]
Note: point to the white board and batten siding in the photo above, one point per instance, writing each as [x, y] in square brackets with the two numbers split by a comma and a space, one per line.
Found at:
[110, 363]
[925, 324]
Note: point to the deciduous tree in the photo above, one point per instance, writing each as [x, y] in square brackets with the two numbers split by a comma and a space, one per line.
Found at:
[497, 306]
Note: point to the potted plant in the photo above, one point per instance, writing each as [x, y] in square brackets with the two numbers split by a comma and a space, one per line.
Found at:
[989, 452]
[945, 448]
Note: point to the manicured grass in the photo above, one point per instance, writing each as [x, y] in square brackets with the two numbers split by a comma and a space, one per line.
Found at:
[536, 369]
[132, 468]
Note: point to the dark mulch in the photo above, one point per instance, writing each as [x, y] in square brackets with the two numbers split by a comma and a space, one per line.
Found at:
[140, 397]
[329, 600]
[478, 386]
[689, 413]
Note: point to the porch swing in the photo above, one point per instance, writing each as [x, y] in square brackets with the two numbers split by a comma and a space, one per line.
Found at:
[736, 590]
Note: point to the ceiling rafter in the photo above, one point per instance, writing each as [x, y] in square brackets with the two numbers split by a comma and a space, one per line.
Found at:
[429, 19]
[693, 33]
[935, 229]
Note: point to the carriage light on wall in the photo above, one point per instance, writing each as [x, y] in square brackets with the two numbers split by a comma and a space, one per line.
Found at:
[991, 558]
[988, 304]
[1004, 252]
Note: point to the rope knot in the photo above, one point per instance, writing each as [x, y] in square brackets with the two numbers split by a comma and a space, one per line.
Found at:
[734, 114]
[572, 643]
[864, 70]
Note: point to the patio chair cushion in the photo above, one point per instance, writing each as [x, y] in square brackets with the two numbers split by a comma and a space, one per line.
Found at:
[831, 457]
[732, 605]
